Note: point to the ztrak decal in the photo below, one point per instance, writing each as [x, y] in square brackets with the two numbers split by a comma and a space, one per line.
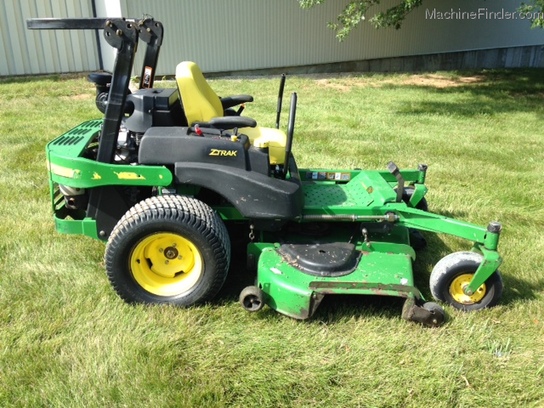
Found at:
[223, 153]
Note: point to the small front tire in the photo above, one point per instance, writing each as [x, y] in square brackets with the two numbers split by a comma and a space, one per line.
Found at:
[454, 272]
[252, 299]
[438, 314]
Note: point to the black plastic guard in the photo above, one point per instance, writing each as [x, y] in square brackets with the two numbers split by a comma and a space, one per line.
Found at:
[327, 260]
[254, 195]
[234, 100]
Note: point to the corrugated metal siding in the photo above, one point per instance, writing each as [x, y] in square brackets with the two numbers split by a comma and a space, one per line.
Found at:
[242, 34]
[252, 34]
[248, 34]
[24, 51]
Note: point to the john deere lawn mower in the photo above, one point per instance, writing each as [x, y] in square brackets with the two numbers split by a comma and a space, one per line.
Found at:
[167, 175]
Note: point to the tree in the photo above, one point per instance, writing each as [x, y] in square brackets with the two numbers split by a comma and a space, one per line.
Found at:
[536, 9]
[355, 11]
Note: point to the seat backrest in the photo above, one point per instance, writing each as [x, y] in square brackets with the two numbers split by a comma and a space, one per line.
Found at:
[200, 102]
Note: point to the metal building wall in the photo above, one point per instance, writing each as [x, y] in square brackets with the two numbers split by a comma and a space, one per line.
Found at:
[238, 35]
[24, 51]
[252, 34]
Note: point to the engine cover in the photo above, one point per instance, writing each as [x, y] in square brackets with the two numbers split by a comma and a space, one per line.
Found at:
[153, 107]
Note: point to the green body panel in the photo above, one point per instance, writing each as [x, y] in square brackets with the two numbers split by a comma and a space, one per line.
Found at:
[85, 173]
[86, 226]
[297, 294]
[67, 166]
[419, 192]
[354, 193]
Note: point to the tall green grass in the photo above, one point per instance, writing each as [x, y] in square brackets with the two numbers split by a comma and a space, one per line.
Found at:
[67, 340]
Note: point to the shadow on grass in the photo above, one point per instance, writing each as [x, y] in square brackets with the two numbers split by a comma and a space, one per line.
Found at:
[516, 289]
[335, 307]
[497, 91]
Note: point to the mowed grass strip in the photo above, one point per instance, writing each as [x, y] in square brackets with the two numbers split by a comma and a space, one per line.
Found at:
[66, 339]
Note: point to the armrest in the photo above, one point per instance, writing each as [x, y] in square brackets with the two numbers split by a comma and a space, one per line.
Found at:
[230, 101]
[228, 122]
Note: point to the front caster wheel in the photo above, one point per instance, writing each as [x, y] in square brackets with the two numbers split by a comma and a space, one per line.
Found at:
[429, 314]
[438, 316]
[252, 299]
[454, 272]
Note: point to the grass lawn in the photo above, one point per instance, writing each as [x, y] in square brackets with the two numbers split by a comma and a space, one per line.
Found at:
[66, 339]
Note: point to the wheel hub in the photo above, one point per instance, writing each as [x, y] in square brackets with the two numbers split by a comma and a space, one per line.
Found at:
[459, 292]
[171, 252]
[166, 264]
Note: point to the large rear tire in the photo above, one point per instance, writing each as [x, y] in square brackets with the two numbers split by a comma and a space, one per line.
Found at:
[168, 249]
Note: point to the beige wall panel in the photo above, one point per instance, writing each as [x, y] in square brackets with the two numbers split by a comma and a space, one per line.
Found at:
[24, 51]
[250, 34]
[232, 35]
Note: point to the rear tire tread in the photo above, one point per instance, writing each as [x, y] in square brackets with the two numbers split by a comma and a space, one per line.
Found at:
[173, 209]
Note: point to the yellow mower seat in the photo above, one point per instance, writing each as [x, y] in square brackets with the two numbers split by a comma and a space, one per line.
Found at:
[201, 104]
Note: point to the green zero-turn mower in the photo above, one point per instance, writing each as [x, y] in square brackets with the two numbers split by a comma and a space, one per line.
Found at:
[166, 175]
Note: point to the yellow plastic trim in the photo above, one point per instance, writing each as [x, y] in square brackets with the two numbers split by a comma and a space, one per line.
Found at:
[64, 171]
[274, 138]
[166, 264]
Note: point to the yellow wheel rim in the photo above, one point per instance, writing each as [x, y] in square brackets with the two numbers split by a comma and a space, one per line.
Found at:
[457, 290]
[166, 264]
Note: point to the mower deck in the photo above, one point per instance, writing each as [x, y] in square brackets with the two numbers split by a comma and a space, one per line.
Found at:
[291, 287]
